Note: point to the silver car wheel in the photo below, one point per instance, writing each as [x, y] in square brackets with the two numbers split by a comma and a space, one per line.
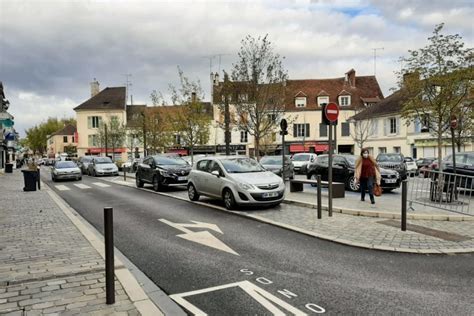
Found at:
[229, 200]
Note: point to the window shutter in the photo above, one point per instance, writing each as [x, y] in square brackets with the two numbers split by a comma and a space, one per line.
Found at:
[295, 130]
[89, 122]
[385, 126]
[306, 128]
[100, 122]
[398, 125]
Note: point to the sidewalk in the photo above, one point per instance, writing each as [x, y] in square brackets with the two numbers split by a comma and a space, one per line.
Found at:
[51, 263]
[382, 232]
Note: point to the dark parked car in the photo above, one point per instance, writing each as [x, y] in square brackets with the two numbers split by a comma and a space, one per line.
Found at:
[274, 164]
[393, 161]
[424, 162]
[83, 163]
[162, 171]
[343, 171]
[464, 167]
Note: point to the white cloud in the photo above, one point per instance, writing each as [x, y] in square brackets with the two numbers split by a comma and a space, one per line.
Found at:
[53, 49]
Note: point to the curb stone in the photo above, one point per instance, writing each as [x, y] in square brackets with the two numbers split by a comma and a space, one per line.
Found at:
[310, 233]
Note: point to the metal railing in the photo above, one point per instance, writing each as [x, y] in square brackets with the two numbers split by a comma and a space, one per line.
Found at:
[441, 190]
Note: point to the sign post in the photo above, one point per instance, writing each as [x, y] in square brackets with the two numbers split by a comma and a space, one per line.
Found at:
[331, 113]
[453, 125]
[283, 132]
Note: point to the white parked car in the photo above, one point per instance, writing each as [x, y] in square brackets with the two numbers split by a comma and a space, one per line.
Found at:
[65, 170]
[301, 161]
[412, 167]
[235, 179]
[101, 166]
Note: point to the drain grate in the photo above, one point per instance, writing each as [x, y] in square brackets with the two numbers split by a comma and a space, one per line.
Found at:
[428, 231]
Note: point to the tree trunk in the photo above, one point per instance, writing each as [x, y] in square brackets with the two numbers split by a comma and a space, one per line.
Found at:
[257, 147]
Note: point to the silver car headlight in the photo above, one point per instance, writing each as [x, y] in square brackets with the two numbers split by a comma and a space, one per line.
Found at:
[397, 174]
[245, 186]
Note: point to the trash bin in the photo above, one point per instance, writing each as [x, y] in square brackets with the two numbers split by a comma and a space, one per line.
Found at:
[31, 178]
[8, 168]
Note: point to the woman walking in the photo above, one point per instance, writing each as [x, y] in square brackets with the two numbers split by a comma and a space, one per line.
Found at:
[367, 172]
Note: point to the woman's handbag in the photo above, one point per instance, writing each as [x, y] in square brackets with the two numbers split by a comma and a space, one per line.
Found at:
[377, 190]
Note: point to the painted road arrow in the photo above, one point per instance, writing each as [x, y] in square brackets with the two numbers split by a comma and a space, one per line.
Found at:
[203, 237]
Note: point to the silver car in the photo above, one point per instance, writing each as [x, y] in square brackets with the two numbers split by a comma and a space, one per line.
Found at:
[102, 166]
[65, 170]
[236, 180]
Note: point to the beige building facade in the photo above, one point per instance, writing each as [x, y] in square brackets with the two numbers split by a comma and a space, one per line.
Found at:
[63, 141]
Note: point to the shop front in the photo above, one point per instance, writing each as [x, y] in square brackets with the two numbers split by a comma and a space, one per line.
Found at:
[309, 147]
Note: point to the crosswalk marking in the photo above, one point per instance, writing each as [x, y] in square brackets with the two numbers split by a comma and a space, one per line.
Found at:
[82, 186]
[62, 187]
[100, 184]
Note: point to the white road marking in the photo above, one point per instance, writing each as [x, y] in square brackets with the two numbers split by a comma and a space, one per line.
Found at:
[203, 237]
[266, 299]
[82, 186]
[62, 187]
[100, 184]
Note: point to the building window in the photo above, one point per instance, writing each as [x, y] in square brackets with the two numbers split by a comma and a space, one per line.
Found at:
[374, 128]
[92, 140]
[393, 125]
[397, 150]
[244, 137]
[272, 117]
[345, 129]
[73, 139]
[323, 130]
[382, 150]
[323, 100]
[300, 130]
[300, 102]
[64, 139]
[94, 121]
[344, 100]
[177, 139]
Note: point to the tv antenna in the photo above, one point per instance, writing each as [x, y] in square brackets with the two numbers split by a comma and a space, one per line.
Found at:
[375, 58]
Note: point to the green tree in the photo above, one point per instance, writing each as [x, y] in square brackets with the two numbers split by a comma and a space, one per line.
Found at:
[191, 120]
[436, 81]
[259, 80]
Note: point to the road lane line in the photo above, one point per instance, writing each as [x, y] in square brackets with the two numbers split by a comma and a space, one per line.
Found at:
[100, 184]
[82, 186]
[62, 187]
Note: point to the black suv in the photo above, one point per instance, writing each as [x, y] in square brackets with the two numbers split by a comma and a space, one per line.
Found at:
[343, 171]
[393, 161]
[162, 171]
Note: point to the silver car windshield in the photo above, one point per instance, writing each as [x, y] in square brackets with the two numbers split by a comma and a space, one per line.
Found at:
[241, 165]
[65, 164]
[101, 160]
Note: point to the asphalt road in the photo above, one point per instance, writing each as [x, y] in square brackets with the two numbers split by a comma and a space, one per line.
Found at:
[276, 267]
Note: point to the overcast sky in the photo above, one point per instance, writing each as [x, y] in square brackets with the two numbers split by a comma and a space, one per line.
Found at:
[51, 50]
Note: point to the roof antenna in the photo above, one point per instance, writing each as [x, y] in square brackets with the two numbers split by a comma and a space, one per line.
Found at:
[375, 58]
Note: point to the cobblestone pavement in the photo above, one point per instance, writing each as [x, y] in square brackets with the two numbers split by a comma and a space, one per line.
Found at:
[46, 265]
[362, 231]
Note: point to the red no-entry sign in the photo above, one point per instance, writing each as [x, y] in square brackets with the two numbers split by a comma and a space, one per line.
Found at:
[332, 112]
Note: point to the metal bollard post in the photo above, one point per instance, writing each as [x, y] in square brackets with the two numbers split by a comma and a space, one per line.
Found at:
[39, 179]
[124, 175]
[318, 178]
[404, 205]
[109, 255]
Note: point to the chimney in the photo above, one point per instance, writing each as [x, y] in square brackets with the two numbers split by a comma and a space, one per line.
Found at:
[95, 88]
[351, 78]
[216, 79]
[193, 97]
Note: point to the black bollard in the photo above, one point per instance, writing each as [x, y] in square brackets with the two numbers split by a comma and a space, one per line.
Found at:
[109, 255]
[404, 205]
[318, 189]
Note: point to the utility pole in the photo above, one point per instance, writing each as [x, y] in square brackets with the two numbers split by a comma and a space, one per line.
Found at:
[144, 135]
[105, 126]
[227, 135]
[375, 58]
[128, 83]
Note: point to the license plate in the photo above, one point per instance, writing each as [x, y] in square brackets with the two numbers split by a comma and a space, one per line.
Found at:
[182, 178]
[269, 194]
[391, 180]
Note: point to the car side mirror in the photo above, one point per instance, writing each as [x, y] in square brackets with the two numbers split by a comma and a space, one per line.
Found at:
[216, 173]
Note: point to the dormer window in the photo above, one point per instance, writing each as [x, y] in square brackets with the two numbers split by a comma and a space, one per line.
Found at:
[323, 100]
[300, 102]
[344, 100]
